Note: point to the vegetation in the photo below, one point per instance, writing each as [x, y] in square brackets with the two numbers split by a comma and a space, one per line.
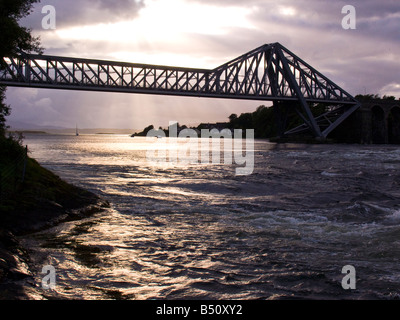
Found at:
[160, 129]
[40, 197]
[264, 119]
[4, 111]
[26, 187]
[144, 132]
[14, 38]
[369, 97]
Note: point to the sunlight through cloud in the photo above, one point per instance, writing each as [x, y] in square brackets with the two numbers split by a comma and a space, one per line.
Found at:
[160, 20]
[287, 11]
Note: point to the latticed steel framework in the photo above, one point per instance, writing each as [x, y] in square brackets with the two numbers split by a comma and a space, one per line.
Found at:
[269, 73]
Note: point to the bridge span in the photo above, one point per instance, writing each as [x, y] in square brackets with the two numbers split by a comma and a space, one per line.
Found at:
[269, 73]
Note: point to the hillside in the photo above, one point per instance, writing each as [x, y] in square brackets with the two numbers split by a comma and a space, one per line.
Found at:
[32, 198]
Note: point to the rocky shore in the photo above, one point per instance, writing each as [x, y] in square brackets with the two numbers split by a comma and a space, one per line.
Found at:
[43, 201]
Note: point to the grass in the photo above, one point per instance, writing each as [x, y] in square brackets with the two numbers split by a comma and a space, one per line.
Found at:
[41, 197]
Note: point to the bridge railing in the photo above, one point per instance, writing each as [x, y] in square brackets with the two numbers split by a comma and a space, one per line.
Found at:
[258, 75]
[63, 72]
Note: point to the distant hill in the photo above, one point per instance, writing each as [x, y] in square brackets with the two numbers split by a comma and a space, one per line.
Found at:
[23, 126]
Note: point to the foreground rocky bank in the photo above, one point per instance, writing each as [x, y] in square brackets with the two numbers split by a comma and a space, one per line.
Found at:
[41, 201]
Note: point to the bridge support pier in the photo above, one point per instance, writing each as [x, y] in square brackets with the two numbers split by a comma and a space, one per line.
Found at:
[280, 120]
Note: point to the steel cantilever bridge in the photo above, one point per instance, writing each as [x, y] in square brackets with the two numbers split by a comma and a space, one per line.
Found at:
[269, 73]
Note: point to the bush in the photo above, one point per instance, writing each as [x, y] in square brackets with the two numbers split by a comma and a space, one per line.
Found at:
[13, 159]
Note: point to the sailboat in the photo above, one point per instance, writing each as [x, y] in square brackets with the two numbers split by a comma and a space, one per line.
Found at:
[76, 132]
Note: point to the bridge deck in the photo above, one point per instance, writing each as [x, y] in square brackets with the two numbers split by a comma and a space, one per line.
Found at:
[269, 73]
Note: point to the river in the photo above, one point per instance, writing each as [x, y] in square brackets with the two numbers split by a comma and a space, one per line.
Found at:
[200, 231]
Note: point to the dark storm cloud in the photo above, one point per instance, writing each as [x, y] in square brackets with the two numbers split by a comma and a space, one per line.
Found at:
[375, 8]
[85, 12]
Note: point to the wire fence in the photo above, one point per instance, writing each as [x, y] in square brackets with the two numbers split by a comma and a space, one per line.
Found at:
[12, 175]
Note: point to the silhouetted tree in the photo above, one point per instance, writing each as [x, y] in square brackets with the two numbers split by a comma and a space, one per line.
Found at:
[4, 111]
[264, 119]
[233, 117]
[369, 97]
[261, 120]
[13, 39]
[144, 132]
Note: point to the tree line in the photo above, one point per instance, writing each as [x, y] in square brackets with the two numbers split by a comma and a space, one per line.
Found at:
[265, 119]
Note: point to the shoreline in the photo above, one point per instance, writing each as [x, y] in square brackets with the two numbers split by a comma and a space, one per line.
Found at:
[273, 139]
[32, 212]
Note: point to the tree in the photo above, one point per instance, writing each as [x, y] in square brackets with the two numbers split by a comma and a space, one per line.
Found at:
[13, 39]
[4, 111]
[390, 98]
[371, 97]
[233, 117]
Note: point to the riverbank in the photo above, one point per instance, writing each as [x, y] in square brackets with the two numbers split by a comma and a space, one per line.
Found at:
[41, 201]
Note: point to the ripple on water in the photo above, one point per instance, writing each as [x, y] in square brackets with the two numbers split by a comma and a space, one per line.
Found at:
[200, 232]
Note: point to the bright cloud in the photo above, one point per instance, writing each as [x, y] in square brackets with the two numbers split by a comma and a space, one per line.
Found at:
[159, 20]
[392, 89]
[205, 34]
[287, 11]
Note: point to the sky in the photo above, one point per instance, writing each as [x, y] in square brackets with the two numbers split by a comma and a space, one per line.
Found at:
[204, 34]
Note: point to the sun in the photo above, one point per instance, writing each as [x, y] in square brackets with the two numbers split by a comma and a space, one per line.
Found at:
[287, 11]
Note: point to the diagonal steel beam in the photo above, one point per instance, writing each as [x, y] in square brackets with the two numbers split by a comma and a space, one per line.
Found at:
[292, 81]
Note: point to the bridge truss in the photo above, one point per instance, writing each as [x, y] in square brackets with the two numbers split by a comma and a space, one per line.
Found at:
[268, 73]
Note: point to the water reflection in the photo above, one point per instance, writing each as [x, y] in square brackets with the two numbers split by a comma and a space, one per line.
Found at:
[200, 231]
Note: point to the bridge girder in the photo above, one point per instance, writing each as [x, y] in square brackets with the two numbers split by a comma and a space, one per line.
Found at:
[268, 73]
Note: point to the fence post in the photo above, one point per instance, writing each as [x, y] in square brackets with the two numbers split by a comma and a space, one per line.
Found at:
[25, 160]
[1, 187]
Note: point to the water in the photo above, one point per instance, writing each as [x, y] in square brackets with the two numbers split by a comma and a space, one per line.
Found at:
[198, 231]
